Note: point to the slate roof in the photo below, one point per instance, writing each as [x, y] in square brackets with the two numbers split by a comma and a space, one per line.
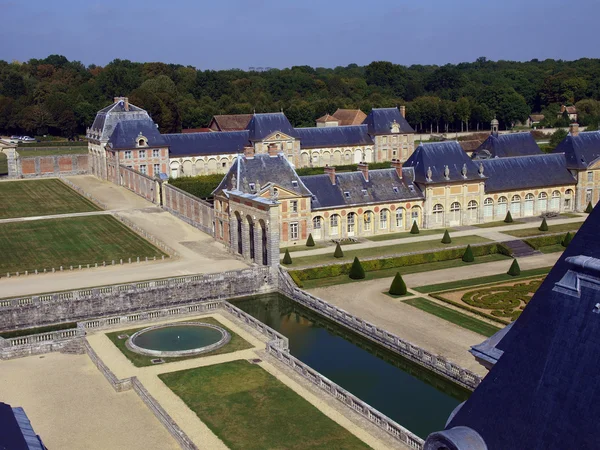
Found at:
[16, 432]
[507, 145]
[319, 137]
[263, 169]
[126, 133]
[327, 118]
[580, 150]
[349, 116]
[470, 146]
[543, 392]
[107, 118]
[526, 172]
[380, 121]
[263, 125]
[436, 156]
[230, 122]
[196, 144]
[379, 188]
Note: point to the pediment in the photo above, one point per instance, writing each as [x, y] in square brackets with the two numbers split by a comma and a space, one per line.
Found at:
[278, 136]
[271, 190]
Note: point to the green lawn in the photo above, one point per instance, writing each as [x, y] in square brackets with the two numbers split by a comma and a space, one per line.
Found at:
[417, 268]
[385, 251]
[28, 198]
[235, 344]
[551, 248]
[500, 223]
[3, 164]
[301, 247]
[249, 409]
[528, 232]
[51, 243]
[387, 237]
[24, 152]
[455, 317]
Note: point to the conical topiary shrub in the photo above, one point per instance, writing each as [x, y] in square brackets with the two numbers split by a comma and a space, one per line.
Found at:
[310, 242]
[338, 253]
[589, 208]
[415, 228]
[356, 271]
[398, 286]
[468, 255]
[287, 259]
[514, 269]
[446, 239]
[543, 226]
[508, 218]
[567, 239]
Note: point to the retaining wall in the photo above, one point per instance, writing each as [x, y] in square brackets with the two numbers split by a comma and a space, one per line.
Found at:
[190, 209]
[51, 166]
[143, 185]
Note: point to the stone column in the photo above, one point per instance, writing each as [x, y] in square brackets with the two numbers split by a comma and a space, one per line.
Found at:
[245, 239]
[273, 236]
[258, 245]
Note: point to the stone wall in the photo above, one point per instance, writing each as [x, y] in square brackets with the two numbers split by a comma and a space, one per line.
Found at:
[51, 166]
[69, 306]
[190, 209]
[143, 185]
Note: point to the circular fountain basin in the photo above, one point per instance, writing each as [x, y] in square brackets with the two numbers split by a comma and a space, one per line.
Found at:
[181, 339]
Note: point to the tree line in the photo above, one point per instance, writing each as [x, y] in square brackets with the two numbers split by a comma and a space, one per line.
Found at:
[61, 97]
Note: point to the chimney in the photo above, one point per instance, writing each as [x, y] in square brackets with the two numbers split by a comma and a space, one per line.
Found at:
[364, 168]
[331, 172]
[273, 150]
[403, 111]
[574, 129]
[249, 152]
[125, 101]
[396, 164]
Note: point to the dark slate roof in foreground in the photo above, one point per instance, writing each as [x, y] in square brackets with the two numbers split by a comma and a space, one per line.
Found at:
[543, 393]
[319, 137]
[580, 150]
[526, 172]
[263, 125]
[126, 134]
[437, 156]
[198, 144]
[507, 145]
[380, 121]
[16, 432]
[379, 188]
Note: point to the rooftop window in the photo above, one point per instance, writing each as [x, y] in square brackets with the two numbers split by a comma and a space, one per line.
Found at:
[364, 192]
[347, 194]
[395, 189]
[294, 183]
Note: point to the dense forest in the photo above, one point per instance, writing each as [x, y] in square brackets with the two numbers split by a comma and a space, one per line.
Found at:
[61, 97]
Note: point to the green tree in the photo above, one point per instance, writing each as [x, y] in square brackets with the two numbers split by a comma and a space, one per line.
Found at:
[589, 208]
[338, 253]
[468, 255]
[356, 271]
[398, 286]
[415, 228]
[310, 242]
[567, 239]
[463, 111]
[287, 259]
[508, 218]
[544, 225]
[557, 137]
[514, 269]
[446, 239]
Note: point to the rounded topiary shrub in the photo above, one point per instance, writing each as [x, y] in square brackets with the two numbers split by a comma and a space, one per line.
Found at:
[398, 286]
[287, 259]
[567, 239]
[543, 226]
[414, 229]
[356, 271]
[338, 253]
[508, 218]
[468, 255]
[514, 269]
[589, 208]
[310, 242]
[446, 239]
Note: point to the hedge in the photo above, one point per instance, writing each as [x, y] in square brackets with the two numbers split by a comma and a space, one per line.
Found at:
[471, 310]
[335, 270]
[544, 241]
[53, 144]
[304, 171]
[38, 330]
[200, 186]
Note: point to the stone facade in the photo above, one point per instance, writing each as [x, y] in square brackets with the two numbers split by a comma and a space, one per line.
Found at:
[45, 166]
[192, 210]
[143, 185]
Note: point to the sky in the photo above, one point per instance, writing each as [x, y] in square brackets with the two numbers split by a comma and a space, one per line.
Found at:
[224, 34]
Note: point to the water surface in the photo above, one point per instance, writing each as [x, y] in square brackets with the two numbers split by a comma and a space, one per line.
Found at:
[177, 337]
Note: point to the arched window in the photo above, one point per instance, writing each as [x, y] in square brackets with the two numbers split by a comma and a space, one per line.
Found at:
[438, 214]
[529, 204]
[334, 225]
[351, 223]
[472, 208]
[542, 202]
[455, 213]
[368, 220]
[555, 202]
[383, 219]
[502, 206]
[515, 205]
[488, 208]
[317, 223]
[569, 199]
[400, 218]
[415, 212]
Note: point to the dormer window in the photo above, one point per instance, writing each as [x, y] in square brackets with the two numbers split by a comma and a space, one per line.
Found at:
[364, 192]
[252, 187]
[411, 188]
[294, 183]
[141, 141]
[347, 194]
[395, 189]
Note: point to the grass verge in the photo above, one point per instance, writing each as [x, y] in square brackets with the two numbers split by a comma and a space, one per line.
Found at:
[72, 241]
[38, 330]
[500, 223]
[235, 344]
[455, 317]
[551, 248]
[3, 164]
[249, 409]
[302, 247]
[528, 232]
[387, 237]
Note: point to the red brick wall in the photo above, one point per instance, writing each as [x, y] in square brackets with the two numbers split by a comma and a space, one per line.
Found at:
[47, 164]
[65, 164]
[197, 212]
[28, 166]
[54, 165]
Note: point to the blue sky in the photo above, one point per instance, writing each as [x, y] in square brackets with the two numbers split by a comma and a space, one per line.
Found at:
[221, 34]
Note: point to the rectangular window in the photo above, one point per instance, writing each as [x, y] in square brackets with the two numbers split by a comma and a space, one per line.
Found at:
[590, 176]
[142, 153]
[294, 230]
[156, 169]
[143, 169]
[156, 153]
[289, 145]
[383, 219]
[384, 139]
[395, 139]
[399, 218]
[294, 206]
[128, 154]
[588, 196]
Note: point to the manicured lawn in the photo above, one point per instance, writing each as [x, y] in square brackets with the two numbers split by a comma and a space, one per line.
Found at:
[51, 243]
[551, 229]
[384, 251]
[551, 248]
[301, 247]
[500, 223]
[3, 164]
[40, 198]
[479, 281]
[417, 268]
[37, 151]
[387, 237]
[249, 409]
[235, 344]
[455, 317]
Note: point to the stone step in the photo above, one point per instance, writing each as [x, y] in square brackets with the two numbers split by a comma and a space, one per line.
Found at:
[520, 249]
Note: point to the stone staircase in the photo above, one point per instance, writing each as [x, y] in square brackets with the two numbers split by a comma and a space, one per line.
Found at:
[520, 249]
